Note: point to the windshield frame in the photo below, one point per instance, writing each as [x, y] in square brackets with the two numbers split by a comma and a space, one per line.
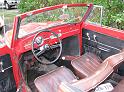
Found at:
[18, 18]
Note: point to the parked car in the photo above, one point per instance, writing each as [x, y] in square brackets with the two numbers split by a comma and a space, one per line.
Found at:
[9, 3]
[55, 49]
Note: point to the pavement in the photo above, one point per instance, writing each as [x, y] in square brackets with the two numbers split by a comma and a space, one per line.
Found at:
[13, 10]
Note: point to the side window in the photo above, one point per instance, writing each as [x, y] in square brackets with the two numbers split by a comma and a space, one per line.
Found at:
[96, 15]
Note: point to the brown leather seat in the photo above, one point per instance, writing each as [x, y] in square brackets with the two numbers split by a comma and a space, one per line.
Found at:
[50, 81]
[88, 83]
[86, 64]
[119, 87]
[102, 71]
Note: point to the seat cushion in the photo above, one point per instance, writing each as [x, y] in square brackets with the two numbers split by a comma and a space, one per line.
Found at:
[51, 81]
[119, 87]
[86, 64]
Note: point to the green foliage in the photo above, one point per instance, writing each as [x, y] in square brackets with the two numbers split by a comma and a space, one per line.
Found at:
[28, 5]
[118, 20]
[113, 12]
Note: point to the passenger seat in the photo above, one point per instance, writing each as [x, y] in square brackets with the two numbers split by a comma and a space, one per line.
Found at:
[86, 64]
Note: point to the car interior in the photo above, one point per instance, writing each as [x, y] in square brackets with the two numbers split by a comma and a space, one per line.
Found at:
[55, 49]
[63, 68]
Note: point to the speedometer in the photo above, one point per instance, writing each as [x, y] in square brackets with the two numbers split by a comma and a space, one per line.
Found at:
[39, 40]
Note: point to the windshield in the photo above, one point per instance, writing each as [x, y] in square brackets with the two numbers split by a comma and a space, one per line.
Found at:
[46, 19]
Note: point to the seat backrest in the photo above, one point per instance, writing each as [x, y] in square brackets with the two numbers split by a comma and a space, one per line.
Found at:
[101, 73]
[116, 59]
[95, 79]
[67, 87]
[92, 81]
[50, 81]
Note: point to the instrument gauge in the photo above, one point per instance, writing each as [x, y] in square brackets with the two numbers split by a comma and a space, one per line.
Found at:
[39, 40]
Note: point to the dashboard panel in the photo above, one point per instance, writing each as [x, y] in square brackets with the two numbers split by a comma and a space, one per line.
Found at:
[63, 31]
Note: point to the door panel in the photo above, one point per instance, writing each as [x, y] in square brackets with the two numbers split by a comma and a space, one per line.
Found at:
[102, 40]
[101, 44]
[7, 82]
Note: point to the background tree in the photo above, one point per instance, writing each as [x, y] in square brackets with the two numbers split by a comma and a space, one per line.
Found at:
[113, 9]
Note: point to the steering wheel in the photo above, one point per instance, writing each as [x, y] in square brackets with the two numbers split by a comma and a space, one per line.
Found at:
[41, 44]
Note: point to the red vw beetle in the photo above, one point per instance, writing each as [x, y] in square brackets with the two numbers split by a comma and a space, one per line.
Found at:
[57, 49]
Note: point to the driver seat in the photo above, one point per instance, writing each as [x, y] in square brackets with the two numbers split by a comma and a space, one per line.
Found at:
[50, 82]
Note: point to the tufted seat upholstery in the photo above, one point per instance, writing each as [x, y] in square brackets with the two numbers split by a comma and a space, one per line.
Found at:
[50, 82]
[86, 64]
[53, 81]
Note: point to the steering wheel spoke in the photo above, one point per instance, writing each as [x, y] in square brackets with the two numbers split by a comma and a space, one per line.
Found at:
[39, 53]
[55, 46]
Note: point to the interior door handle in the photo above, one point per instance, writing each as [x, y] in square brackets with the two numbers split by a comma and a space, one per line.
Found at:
[88, 35]
[1, 66]
[94, 37]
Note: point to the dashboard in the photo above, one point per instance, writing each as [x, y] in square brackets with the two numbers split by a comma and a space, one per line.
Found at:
[63, 31]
